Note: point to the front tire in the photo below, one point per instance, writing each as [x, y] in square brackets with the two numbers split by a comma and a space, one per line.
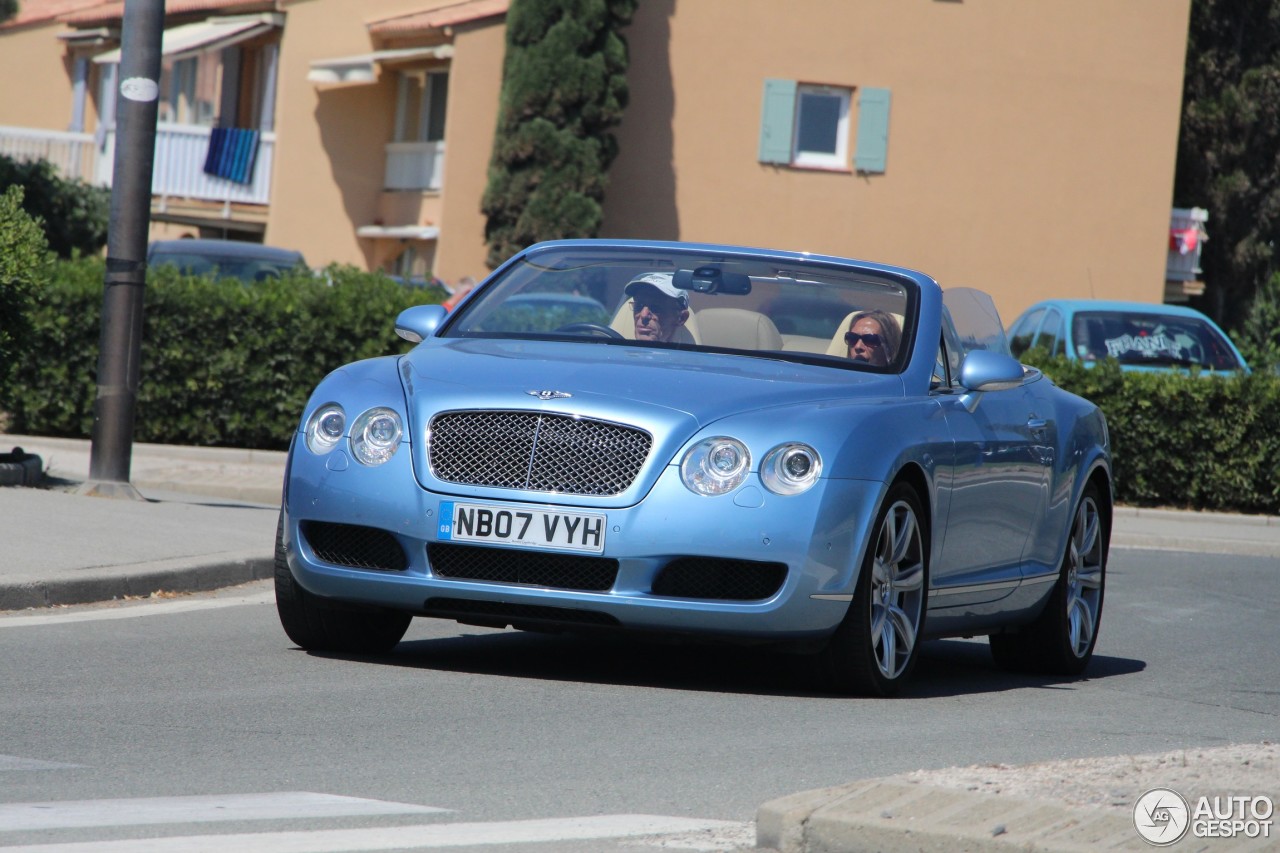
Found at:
[318, 626]
[875, 647]
[1061, 640]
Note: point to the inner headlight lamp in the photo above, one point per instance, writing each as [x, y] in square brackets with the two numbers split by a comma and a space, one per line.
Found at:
[715, 466]
[790, 469]
[375, 436]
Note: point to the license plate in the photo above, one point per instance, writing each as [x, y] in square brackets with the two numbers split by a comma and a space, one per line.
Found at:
[523, 526]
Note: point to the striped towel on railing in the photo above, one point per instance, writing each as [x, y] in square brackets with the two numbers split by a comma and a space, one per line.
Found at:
[232, 152]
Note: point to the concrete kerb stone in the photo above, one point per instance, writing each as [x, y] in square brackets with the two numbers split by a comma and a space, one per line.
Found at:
[178, 575]
[891, 815]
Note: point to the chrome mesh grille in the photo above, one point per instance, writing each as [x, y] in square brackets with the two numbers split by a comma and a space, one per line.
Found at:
[536, 451]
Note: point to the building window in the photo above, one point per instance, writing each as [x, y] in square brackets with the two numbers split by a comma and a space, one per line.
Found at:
[807, 126]
[420, 106]
[821, 128]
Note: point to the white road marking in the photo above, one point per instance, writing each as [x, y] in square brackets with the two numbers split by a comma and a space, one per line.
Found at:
[398, 838]
[133, 611]
[15, 817]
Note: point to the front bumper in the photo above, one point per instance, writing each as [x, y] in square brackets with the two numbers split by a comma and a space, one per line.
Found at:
[818, 536]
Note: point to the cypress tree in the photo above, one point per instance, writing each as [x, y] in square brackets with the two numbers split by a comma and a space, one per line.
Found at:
[564, 88]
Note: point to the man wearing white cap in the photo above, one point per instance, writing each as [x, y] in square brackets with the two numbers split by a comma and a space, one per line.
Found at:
[658, 305]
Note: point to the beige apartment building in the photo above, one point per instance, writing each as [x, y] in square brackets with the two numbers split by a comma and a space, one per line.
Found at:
[1023, 148]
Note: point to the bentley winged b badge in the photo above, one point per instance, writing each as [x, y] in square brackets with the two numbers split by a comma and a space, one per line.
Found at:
[549, 395]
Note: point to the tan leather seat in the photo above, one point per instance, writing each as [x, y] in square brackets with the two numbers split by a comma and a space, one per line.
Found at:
[738, 329]
[624, 323]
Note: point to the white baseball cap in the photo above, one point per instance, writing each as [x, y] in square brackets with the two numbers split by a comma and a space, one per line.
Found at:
[661, 281]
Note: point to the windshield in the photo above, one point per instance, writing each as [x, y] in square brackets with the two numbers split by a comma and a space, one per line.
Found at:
[1150, 339]
[736, 303]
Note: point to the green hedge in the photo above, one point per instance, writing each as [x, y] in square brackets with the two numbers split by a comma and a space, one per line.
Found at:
[1204, 442]
[25, 264]
[223, 364]
[231, 365]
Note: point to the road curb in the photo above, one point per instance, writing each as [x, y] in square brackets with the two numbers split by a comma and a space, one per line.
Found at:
[179, 575]
[895, 816]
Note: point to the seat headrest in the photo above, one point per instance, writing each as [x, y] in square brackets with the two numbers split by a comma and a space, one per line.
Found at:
[738, 328]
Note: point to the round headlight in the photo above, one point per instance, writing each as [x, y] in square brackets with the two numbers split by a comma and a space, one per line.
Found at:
[790, 469]
[715, 466]
[375, 435]
[325, 428]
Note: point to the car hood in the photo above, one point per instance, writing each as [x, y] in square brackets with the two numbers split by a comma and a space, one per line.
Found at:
[671, 394]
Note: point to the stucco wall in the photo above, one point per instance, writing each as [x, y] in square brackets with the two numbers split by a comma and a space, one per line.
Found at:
[475, 81]
[330, 141]
[37, 80]
[1031, 145]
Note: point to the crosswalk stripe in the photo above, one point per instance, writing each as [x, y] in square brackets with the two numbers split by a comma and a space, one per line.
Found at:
[432, 836]
[15, 817]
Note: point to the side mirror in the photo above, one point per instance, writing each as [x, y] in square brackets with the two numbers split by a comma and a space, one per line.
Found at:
[420, 322]
[985, 370]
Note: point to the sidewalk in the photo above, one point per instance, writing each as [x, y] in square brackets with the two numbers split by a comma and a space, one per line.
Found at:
[209, 520]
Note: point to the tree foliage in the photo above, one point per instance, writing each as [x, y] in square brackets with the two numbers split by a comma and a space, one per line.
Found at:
[564, 88]
[1229, 147]
[75, 214]
[8, 8]
[24, 270]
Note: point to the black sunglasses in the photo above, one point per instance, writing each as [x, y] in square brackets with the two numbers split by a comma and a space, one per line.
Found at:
[872, 340]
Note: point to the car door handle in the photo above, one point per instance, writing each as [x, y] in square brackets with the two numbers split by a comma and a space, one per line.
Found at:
[1037, 425]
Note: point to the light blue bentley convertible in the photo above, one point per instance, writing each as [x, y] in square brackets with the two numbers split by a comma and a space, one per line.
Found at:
[706, 442]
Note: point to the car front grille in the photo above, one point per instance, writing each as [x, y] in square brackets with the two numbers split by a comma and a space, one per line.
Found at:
[719, 578]
[355, 546]
[537, 568]
[536, 451]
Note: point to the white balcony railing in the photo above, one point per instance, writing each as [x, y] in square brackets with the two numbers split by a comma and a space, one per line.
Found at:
[72, 154]
[178, 170]
[415, 165]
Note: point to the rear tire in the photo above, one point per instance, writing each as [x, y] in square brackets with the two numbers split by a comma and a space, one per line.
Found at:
[875, 647]
[318, 626]
[1061, 639]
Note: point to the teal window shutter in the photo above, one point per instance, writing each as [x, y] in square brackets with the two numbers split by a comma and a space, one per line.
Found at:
[873, 130]
[777, 116]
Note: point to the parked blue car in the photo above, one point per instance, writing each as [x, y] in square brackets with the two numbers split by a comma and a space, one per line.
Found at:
[886, 475]
[1141, 336]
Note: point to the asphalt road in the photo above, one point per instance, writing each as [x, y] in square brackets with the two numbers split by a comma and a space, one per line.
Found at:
[513, 734]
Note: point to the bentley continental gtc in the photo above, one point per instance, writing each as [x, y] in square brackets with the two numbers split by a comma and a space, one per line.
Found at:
[835, 457]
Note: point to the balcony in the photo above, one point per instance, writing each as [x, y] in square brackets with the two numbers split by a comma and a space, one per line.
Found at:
[73, 155]
[177, 172]
[179, 167]
[415, 166]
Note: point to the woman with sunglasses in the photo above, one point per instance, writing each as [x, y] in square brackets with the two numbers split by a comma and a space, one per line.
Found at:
[873, 337]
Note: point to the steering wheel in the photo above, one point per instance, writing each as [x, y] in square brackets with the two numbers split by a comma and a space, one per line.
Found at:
[592, 329]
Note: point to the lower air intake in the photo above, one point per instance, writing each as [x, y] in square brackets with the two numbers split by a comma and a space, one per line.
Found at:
[718, 578]
[355, 546]
[535, 568]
